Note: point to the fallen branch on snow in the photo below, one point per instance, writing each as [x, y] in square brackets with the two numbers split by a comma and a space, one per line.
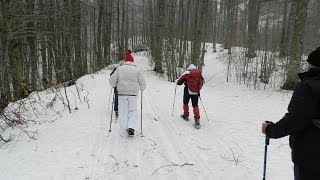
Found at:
[234, 158]
[203, 148]
[171, 165]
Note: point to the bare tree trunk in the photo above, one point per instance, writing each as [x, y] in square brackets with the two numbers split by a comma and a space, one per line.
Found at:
[152, 29]
[33, 49]
[126, 26]
[290, 24]
[1, 59]
[284, 31]
[50, 39]
[66, 46]
[172, 75]
[296, 47]
[43, 48]
[5, 33]
[316, 25]
[108, 33]
[99, 33]
[119, 45]
[220, 23]
[230, 25]
[123, 20]
[264, 75]
[79, 66]
[85, 39]
[159, 36]
[253, 20]
[185, 31]
[196, 42]
[215, 9]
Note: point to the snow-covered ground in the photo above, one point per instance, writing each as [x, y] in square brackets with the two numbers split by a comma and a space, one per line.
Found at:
[229, 145]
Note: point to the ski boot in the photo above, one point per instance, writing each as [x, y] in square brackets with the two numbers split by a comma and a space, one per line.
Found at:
[130, 132]
[186, 118]
[197, 124]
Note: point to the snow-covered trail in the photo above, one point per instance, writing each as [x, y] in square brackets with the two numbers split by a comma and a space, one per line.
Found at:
[229, 146]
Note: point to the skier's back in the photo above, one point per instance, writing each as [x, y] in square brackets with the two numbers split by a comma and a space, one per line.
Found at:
[128, 79]
[193, 81]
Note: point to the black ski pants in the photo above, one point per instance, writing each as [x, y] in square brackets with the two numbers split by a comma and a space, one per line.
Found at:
[301, 173]
[115, 99]
[187, 97]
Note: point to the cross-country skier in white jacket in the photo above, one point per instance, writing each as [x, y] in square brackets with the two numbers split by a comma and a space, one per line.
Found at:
[128, 79]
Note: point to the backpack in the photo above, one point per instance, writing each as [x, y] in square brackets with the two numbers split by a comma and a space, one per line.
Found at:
[195, 80]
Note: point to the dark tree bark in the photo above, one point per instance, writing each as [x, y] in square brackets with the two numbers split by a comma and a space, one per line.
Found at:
[296, 47]
[253, 20]
[283, 48]
[160, 30]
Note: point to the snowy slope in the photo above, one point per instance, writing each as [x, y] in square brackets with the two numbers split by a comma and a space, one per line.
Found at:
[229, 146]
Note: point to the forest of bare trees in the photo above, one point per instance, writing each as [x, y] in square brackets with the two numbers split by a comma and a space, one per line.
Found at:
[44, 43]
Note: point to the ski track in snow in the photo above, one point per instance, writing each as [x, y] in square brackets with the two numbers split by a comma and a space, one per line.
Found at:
[229, 146]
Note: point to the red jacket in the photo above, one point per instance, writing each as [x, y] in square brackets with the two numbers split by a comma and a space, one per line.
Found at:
[186, 79]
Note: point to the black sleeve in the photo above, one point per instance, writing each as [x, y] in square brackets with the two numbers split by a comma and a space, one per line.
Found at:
[113, 71]
[299, 116]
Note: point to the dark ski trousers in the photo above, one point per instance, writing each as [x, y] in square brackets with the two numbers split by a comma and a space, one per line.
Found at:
[194, 101]
[115, 100]
[301, 173]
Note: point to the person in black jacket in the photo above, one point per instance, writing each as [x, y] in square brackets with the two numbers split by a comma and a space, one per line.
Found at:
[302, 121]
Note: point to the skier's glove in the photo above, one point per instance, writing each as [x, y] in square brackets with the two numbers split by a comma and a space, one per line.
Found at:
[267, 127]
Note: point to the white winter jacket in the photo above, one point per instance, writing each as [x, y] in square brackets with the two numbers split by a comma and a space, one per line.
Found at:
[128, 79]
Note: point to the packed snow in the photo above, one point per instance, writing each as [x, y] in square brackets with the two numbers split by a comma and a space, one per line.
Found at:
[79, 146]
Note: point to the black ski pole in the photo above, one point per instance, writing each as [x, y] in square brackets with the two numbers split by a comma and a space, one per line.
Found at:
[111, 112]
[204, 108]
[110, 97]
[174, 99]
[265, 157]
[141, 111]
